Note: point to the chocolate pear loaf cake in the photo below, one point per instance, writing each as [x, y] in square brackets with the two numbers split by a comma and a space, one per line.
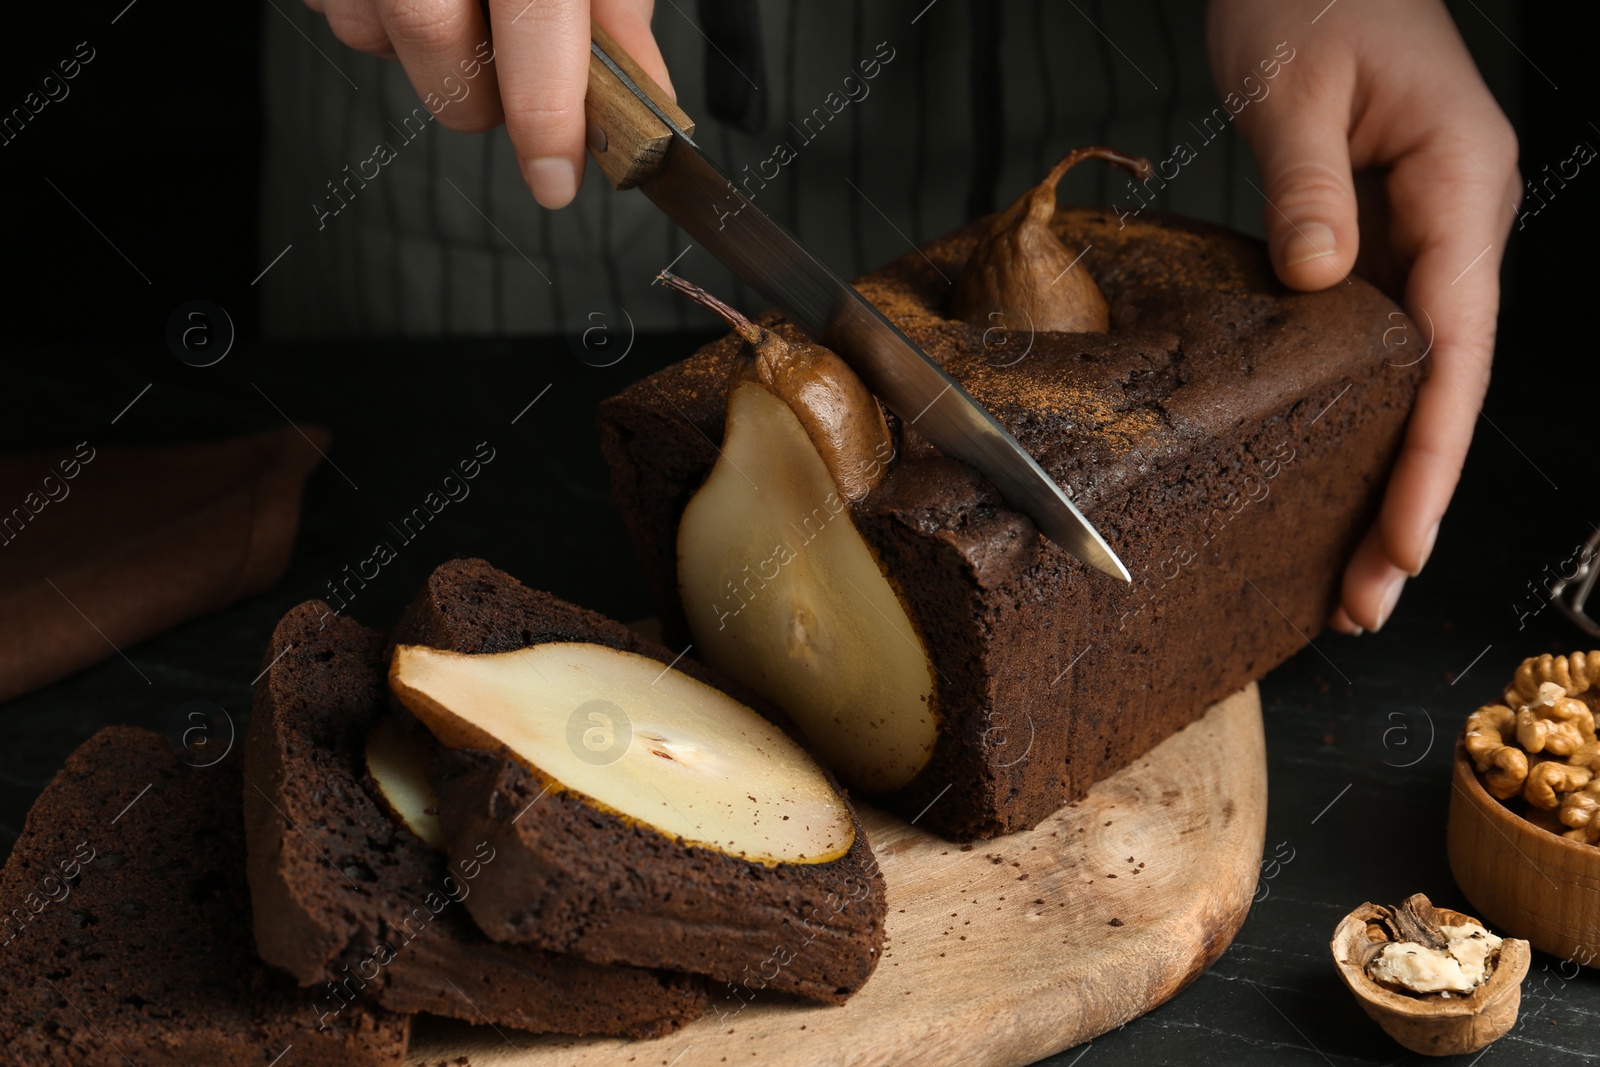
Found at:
[127, 935]
[574, 875]
[360, 909]
[1228, 437]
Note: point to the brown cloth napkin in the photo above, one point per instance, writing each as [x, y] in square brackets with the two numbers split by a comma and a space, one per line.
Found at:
[101, 548]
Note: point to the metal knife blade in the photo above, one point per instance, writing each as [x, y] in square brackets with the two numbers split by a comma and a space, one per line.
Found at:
[693, 193]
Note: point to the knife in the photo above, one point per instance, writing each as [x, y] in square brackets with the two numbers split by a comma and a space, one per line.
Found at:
[640, 138]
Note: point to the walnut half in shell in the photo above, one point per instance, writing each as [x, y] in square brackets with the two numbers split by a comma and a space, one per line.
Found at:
[1433, 1023]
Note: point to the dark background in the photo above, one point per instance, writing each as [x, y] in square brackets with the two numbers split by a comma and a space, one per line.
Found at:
[158, 144]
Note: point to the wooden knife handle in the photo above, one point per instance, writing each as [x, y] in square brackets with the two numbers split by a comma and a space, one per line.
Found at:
[626, 138]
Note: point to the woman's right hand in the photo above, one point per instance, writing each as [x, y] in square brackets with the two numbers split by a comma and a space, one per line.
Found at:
[532, 75]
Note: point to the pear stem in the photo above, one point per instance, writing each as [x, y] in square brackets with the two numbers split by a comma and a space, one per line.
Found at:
[746, 329]
[1138, 166]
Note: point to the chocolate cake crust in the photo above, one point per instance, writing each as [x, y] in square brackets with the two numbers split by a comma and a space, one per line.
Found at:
[1229, 437]
[573, 878]
[139, 949]
[357, 907]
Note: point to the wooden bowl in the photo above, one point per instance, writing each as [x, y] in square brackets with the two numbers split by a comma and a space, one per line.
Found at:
[1433, 1025]
[1526, 881]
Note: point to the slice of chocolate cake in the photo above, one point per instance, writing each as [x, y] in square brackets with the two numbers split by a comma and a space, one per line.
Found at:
[360, 909]
[127, 929]
[1228, 437]
[575, 875]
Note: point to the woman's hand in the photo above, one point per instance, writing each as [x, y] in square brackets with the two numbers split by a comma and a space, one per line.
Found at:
[534, 83]
[1389, 89]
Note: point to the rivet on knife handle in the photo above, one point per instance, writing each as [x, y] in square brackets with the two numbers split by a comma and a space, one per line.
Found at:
[627, 136]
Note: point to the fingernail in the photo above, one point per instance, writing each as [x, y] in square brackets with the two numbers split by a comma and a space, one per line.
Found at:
[552, 179]
[1391, 596]
[1427, 549]
[1310, 240]
[1341, 622]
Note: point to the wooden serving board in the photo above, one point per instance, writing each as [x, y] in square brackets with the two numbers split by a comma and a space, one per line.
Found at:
[1010, 950]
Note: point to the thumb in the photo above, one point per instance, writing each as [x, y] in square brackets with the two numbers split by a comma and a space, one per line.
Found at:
[1304, 156]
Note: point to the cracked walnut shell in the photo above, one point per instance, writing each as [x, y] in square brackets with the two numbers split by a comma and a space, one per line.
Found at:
[1432, 1024]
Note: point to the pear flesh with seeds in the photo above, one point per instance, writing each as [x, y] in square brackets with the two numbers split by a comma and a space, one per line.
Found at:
[636, 738]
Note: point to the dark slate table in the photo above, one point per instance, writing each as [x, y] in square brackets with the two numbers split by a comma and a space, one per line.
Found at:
[1359, 730]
